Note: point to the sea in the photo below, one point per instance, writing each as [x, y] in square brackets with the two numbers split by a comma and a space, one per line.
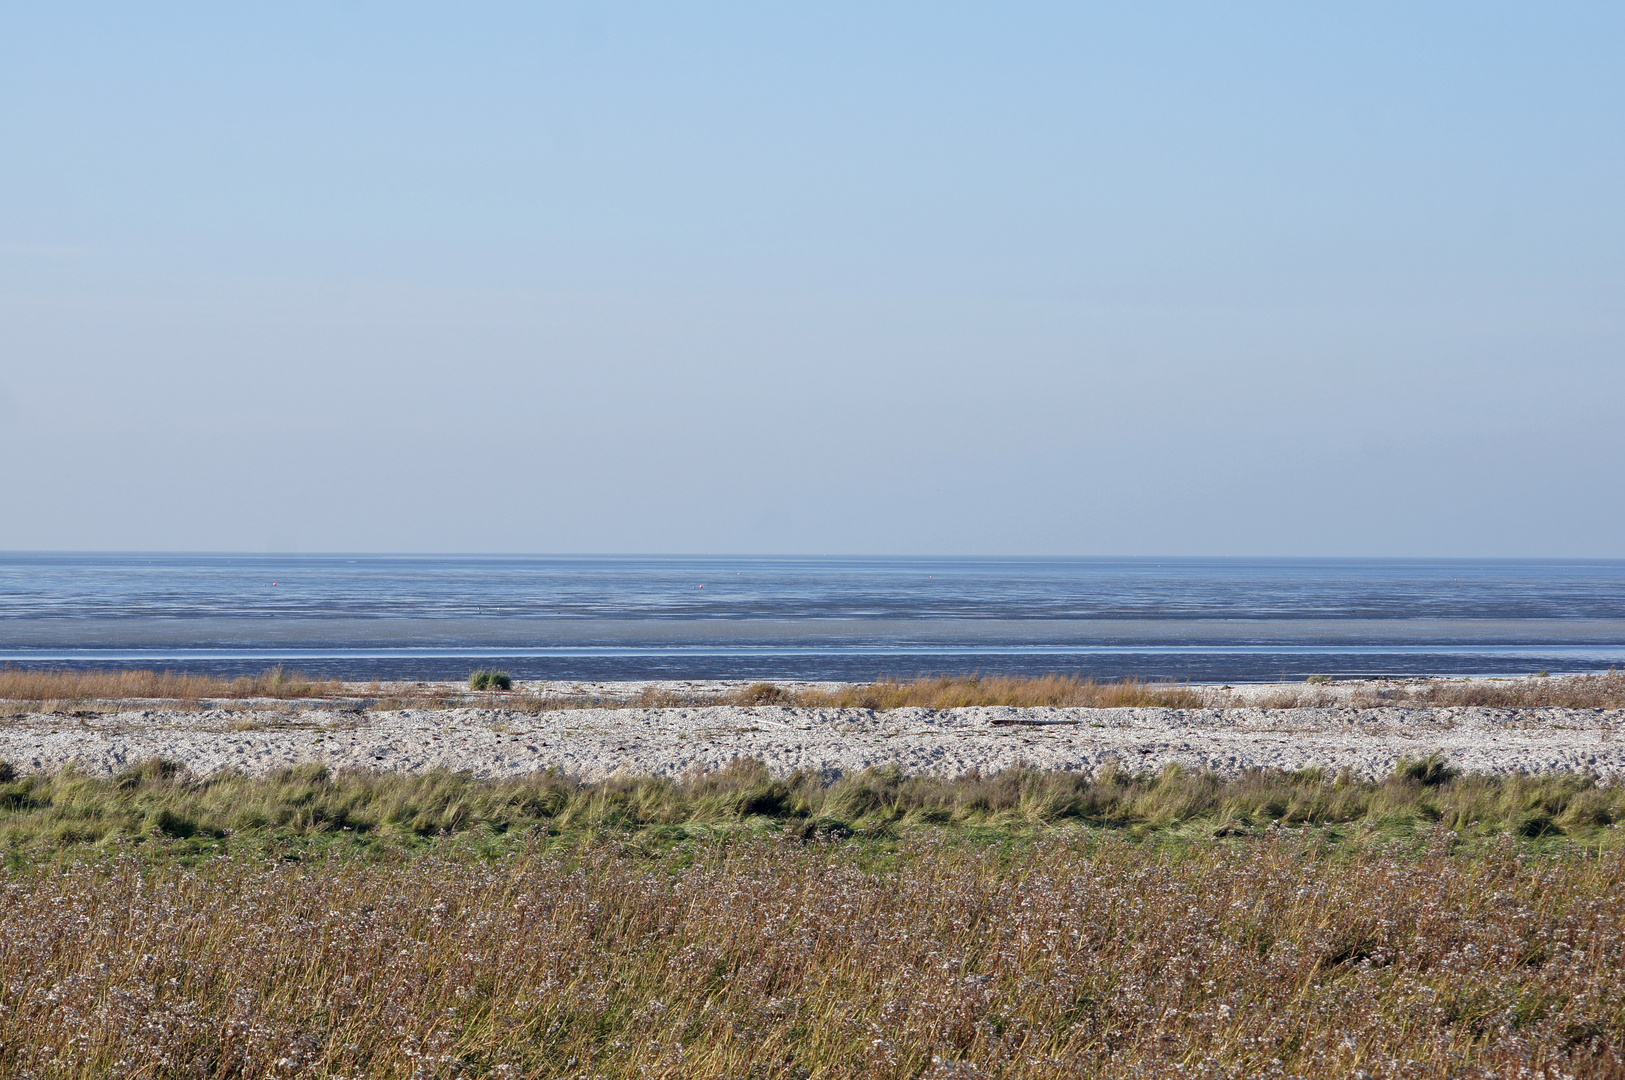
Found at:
[819, 618]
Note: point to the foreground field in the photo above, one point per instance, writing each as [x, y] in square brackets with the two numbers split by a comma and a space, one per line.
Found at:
[1067, 955]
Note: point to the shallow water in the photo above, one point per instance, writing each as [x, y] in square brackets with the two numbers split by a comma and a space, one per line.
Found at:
[359, 616]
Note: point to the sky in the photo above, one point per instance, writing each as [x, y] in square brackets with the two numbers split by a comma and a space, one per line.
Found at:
[867, 278]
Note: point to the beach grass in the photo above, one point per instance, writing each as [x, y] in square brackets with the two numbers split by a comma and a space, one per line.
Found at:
[160, 801]
[26, 684]
[486, 679]
[1604, 690]
[952, 692]
[934, 692]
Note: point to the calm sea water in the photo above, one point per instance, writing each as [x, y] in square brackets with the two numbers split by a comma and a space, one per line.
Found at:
[363, 616]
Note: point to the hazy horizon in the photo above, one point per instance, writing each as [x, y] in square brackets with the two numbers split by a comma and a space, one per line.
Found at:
[782, 556]
[1166, 281]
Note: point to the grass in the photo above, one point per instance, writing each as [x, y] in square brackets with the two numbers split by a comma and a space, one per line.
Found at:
[951, 692]
[485, 679]
[21, 684]
[938, 692]
[159, 801]
[735, 924]
[1071, 954]
[1604, 690]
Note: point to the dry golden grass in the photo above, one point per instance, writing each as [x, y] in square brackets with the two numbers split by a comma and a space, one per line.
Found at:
[940, 692]
[1600, 691]
[961, 691]
[1605, 690]
[1066, 957]
[18, 684]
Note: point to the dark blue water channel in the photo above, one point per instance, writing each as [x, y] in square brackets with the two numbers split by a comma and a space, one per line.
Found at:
[366, 616]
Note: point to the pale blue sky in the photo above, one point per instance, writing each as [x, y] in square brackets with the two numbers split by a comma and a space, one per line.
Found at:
[929, 278]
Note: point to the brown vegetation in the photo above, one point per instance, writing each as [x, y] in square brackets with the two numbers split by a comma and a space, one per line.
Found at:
[1604, 690]
[959, 691]
[1600, 691]
[1069, 956]
[20, 684]
[937, 692]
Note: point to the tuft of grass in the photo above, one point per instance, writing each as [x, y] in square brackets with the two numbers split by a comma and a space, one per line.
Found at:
[764, 693]
[485, 679]
[1430, 771]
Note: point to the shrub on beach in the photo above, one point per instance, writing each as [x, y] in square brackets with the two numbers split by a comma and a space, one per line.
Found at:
[1430, 771]
[490, 680]
[764, 693]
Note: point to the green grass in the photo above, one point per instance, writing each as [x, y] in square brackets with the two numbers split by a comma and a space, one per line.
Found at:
[160, 802]
[485, 679]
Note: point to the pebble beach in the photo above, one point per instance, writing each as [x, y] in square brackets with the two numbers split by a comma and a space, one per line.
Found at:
[258, 738]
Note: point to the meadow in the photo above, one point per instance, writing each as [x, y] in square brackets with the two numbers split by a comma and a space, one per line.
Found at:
[736, 925]
[1064, 953]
